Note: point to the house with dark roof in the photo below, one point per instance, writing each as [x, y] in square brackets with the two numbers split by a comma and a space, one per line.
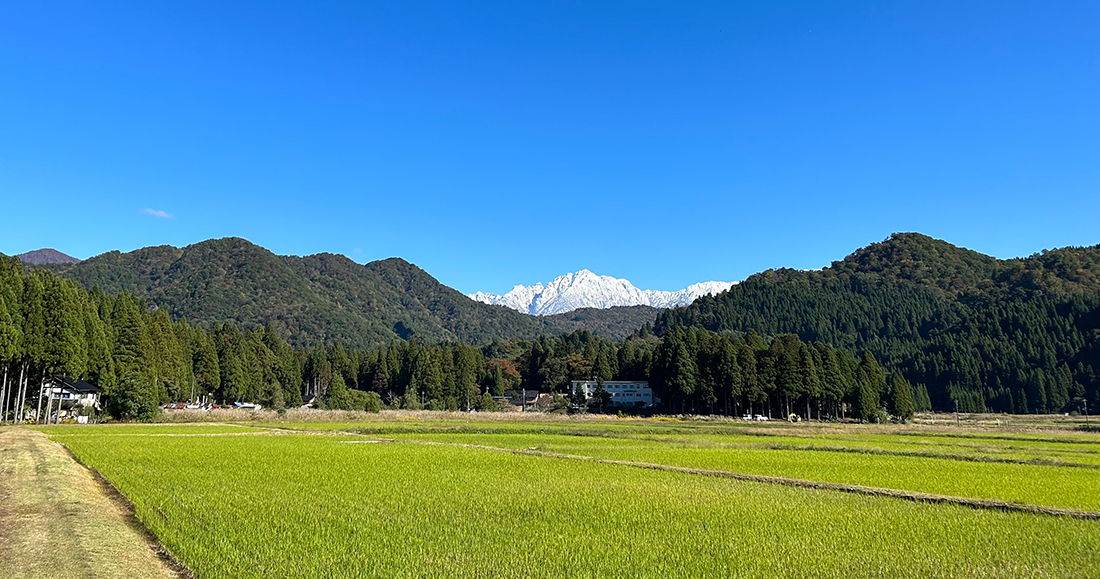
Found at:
[309, 400]
[64, 397]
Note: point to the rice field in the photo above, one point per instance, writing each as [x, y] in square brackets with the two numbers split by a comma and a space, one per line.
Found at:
[336, 503]
[1064, 487]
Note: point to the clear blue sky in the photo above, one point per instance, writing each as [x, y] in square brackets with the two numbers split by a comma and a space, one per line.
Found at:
[509, 142]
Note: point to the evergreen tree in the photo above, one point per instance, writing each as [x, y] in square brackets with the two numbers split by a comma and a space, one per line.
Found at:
[97, 340]
[35, 325]
[684, 375]
[66, 352]
[901, 398]
[832, 384]
[131, 345]
[427, 376]
[498, 384]
[134, 397]
[811, 384]
[204, 360]
[337, 397]
[579, 398]
[729, 374]
[10, 337]
[380, 382]
[601, 397]
[603, 367]
[868, 402]
[488, 404]
[467, 363]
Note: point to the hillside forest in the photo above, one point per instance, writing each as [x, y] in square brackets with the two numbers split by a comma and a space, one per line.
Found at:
[322, 298]
[1016, 336]
[911, 322]
[142, 358]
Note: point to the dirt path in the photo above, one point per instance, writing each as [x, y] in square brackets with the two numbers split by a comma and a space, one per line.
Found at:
[57, 521]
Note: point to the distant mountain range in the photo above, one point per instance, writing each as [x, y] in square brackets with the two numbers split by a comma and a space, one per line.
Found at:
[585, 289]
[46, 256]
[1017, 335]
[320, 298]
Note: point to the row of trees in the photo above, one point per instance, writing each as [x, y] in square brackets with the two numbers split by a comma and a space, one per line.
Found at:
[691, 370]
[142, 358]
[701, 371]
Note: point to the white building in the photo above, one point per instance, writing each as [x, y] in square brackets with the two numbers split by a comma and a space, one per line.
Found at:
[68, 395]
[623, 392]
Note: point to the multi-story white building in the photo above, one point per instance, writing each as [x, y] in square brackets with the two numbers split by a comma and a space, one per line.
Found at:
[623, 393]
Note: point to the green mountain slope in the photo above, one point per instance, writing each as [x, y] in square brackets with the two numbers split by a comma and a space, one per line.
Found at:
[320, 298]
[1017, 335]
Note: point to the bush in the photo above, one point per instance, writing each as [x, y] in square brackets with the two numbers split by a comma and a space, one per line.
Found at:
[373, 403]
[358, 399]
[411, 400]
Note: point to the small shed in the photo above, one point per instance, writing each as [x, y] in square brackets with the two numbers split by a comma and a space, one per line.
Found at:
[309, 400]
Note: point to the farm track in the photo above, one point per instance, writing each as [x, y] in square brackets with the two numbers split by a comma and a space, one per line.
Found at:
[793, 482]
[59, 520]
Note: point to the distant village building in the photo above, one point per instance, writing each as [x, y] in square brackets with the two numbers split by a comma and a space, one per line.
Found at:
[623, 392]
[69, 395]
[521, 399]
[309, 400]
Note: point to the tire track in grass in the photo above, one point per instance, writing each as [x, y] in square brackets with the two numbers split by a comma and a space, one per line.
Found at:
[793, 482]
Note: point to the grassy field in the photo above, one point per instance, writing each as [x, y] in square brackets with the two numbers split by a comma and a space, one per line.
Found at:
[318, 499]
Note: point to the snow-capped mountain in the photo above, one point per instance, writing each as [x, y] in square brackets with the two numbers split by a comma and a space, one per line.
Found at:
[585, 289]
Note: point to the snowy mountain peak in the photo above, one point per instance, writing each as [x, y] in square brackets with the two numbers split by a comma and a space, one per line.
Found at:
[585, 289]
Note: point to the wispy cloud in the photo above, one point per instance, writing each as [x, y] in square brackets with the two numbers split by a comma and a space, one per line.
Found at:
[357, 250]
[158, 213]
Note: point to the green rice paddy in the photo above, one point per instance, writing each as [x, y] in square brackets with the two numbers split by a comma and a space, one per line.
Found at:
[331, 503]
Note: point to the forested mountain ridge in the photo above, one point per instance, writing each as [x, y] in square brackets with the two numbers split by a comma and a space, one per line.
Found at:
[1014, 335]
[44, 256]
[51, 326]
[318, 298]
[921, 259]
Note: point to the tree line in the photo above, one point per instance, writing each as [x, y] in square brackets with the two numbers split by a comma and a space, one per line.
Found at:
[142, 358]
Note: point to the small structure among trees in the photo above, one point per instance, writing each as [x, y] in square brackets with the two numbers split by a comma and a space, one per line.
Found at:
[66, 397]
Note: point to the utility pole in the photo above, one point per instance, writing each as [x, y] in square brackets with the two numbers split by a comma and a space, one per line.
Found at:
[957, 422]
[1085, 404]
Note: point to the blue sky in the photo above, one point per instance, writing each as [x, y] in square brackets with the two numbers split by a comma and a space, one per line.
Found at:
[510, 142]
